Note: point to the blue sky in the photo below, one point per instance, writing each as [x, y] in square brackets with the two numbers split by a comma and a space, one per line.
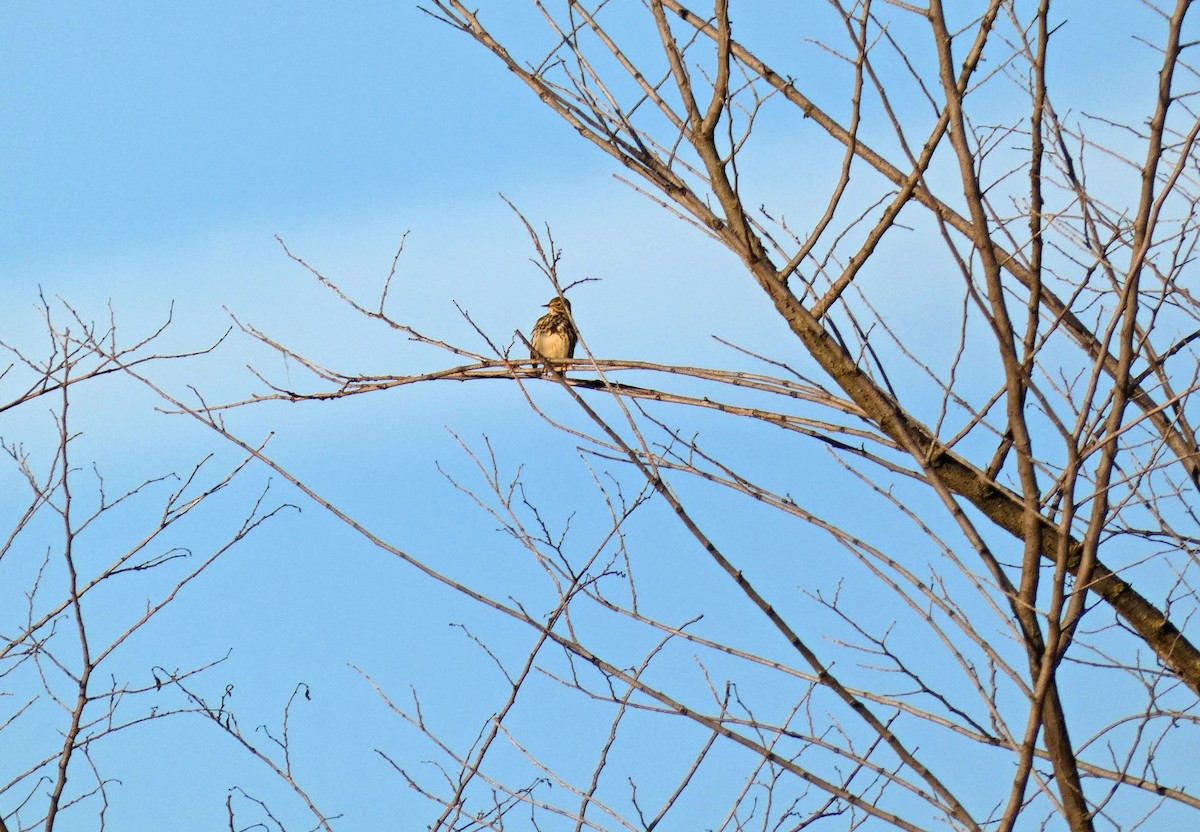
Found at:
[150, 154]
[140, 121]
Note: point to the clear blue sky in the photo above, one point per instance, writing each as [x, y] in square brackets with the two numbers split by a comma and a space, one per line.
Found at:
[151, 151]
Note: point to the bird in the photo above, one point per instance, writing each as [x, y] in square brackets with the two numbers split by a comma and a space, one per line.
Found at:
[554, 334]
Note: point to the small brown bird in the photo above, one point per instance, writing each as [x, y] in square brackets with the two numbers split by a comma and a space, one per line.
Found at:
[554, 335]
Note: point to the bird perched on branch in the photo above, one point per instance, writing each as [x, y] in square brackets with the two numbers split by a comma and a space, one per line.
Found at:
[554, 335]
